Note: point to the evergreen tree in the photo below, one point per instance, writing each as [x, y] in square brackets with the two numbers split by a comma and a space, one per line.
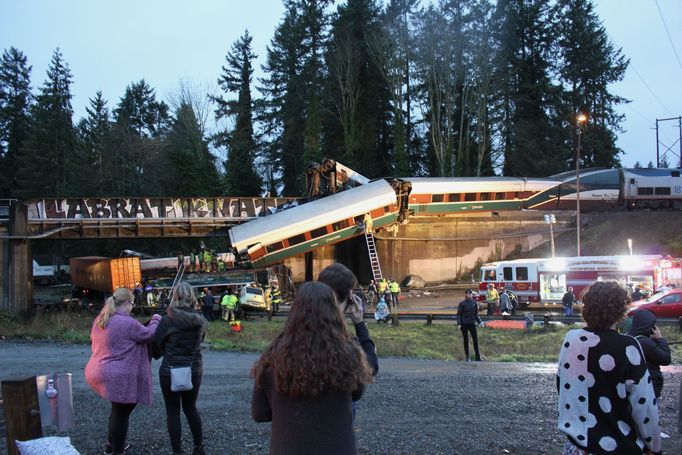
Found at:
[292, 91]
[137, 155]
[94, 134]
[192, 170]
[529, 98]
[638, 165]
[47, 164]
[589, 64]
[282, 106]
[359, 132]
[15, 101]
[241, 176]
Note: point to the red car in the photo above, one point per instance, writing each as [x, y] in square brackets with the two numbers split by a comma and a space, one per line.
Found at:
[666, 304]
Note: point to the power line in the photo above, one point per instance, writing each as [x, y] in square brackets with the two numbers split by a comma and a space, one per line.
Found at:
[649, 88]
[668, 33]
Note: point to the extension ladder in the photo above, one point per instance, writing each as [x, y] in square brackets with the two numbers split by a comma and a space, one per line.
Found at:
[373, 257]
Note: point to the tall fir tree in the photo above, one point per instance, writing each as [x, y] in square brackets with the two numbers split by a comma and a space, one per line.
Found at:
[192, 170]
[292, 91]
[47, 164]
[137, 154]
[529, 98]
[589, 64]
[242, 179]
[93, 137]
[359, 131]
[15, 102]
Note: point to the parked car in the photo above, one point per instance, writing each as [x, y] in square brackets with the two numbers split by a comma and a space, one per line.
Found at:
[253, 298]
[666, 304]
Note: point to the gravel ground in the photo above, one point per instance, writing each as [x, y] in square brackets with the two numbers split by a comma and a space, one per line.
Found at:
[414, 406]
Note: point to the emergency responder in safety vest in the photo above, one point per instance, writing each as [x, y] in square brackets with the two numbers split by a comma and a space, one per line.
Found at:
[276, 297]
[394, 287]
[229, 305]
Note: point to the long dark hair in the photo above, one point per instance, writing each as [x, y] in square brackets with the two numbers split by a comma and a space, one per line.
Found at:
[314, 353]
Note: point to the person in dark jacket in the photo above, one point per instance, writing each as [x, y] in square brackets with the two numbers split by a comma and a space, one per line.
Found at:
[568, 300]
[655, 347]
[467, 317]
[207, 305]
[306, 396]
[178, 339]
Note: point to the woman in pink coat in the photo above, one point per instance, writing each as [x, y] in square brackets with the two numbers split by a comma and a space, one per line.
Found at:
[119, 369]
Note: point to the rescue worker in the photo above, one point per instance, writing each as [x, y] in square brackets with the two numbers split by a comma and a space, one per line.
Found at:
[221, 265]
[207, 260]
[192, 260]
[276, 297]
[201, 260]
[395, 291]
[181, 259]
[229, 305]
[381, 287]
[492, 297]
[371, 292]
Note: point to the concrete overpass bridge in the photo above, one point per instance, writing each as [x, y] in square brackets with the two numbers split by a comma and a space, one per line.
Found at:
[22, 222]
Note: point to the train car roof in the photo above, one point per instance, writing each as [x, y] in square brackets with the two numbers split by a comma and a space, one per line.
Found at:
[466, 184]
[662, 172]
[321, 212]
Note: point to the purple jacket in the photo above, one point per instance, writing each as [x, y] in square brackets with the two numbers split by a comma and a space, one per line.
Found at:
[119, 369]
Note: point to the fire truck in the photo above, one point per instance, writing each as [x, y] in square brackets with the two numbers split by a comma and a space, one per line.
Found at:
[546, 280]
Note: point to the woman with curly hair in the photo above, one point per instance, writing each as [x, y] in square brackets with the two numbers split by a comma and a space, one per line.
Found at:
[307, 378]
[606, 399]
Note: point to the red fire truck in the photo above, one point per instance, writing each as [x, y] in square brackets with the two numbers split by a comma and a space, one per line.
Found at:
[546, 280]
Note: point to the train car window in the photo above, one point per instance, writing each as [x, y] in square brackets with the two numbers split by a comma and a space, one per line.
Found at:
[343, 224]
[517, 195]
[274, 247]
[319, 232]
[295, 240]
[485, 196]
[490, 275]
[507, 272]
[386, 209]
[499, 196]
[453, 197]
[662, 190]
[470, 197]
[645, 191]
[632, 181]
[674, 173]
[522, 273]
[436, 198]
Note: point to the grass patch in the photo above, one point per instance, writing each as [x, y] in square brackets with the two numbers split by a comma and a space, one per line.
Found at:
[414, 340]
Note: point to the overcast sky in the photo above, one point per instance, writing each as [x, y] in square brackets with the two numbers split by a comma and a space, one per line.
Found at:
[109, 44]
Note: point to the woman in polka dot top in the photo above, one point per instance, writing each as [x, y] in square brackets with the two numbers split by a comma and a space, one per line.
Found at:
[606, 399]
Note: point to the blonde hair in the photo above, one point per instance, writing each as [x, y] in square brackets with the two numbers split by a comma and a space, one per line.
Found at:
[183, 297]
[121, 297]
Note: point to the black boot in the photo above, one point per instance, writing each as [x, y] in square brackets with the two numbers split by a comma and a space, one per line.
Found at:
[198, 450]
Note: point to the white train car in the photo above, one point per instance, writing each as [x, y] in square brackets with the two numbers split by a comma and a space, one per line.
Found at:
[442, 196]
[326, 221]
[656, 188]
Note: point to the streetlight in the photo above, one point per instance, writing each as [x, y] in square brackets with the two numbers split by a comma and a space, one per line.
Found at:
[630, 246]
[551, 219]
[580, 120]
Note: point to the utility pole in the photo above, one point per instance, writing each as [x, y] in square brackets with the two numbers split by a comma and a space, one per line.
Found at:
[678, 162]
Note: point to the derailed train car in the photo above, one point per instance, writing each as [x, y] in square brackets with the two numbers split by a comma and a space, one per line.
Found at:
[321, 222]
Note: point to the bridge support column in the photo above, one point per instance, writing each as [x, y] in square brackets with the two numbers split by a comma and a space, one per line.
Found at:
[16, 257]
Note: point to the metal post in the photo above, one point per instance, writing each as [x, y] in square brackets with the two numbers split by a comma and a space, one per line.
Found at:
[577, 189]
[551, 236]
[580, 120]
